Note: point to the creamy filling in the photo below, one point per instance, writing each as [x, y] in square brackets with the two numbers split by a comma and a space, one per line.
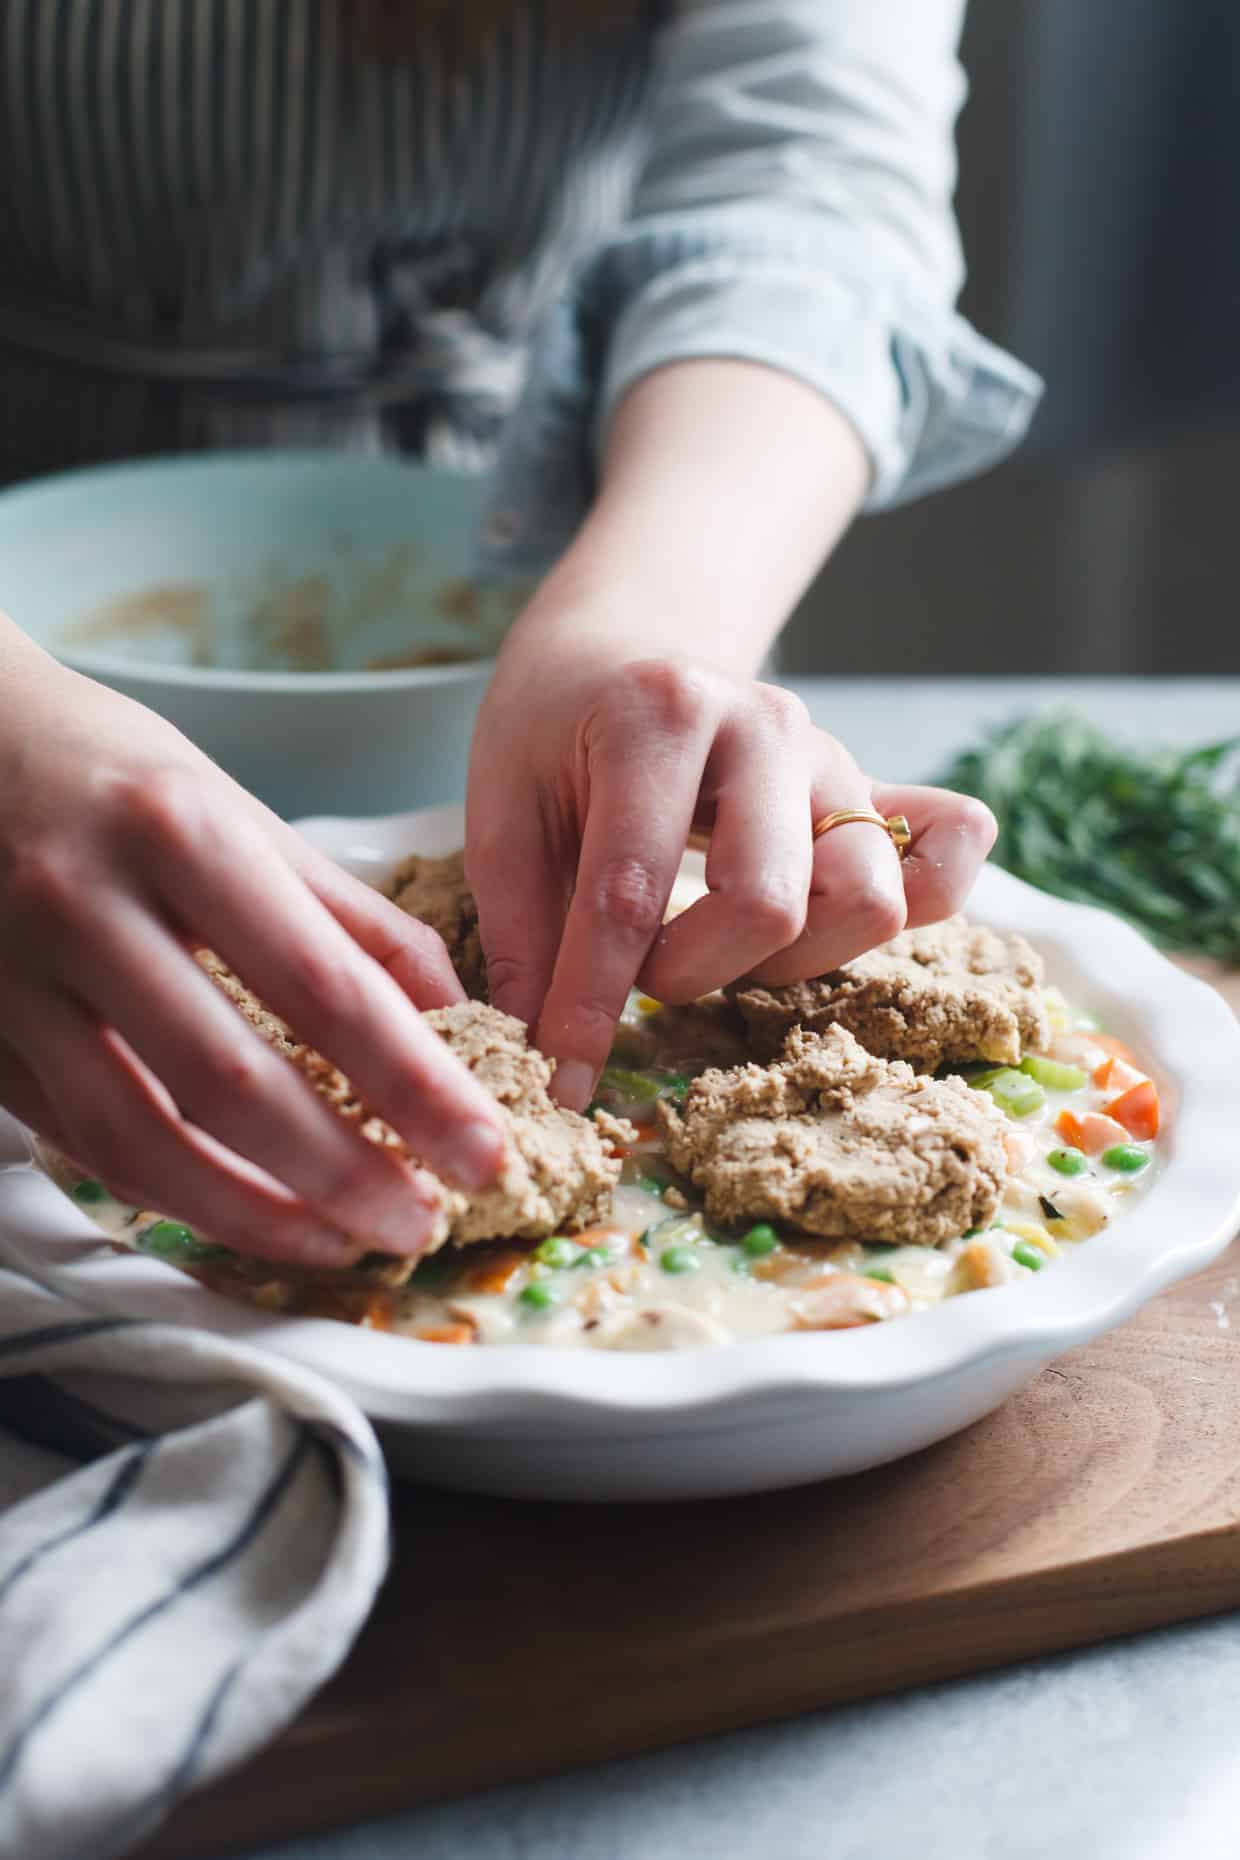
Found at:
[659, 1276]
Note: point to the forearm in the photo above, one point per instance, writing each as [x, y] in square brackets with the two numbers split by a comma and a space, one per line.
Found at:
[724, 485]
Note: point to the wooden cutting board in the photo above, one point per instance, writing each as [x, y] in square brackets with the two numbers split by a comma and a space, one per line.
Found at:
[516, 1640]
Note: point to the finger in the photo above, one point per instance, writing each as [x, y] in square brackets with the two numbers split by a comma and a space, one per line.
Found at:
[522, 893]
[856, 895]
[22, 1095]
[118, 1120]
[952, 835]
[410, 951]
[760, 861]
[643, 791]
[216, 877]
[227, 1081]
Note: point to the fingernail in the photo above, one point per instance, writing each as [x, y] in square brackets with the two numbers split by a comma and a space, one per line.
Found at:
[573, 1083]
[477, 1154]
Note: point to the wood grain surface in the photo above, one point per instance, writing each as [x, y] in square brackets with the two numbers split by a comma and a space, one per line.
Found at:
[516, 1640]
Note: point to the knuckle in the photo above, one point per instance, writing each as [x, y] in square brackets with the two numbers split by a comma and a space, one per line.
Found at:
[593, 1026]
[880, 914]
[784, 707]
[505, 973]
[164, 806]
[775, 910]
[672, 694]
[234, 1081]
[45, 876]
[628, 896]
[326, 988]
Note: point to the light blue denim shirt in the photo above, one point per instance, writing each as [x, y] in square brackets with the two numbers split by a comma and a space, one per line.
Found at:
[794, 209]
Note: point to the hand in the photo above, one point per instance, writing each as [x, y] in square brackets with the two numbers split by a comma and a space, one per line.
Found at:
[123, 849]
[590, 770]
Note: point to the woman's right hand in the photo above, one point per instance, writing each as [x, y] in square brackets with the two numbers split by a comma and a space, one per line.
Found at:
[122, 850]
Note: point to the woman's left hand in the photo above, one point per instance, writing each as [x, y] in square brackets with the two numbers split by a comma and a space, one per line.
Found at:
[590, 770]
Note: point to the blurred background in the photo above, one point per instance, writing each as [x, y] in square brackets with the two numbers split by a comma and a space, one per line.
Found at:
[1100, 206]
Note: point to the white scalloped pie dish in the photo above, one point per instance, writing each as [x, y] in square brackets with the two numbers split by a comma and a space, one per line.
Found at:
[755, 1415]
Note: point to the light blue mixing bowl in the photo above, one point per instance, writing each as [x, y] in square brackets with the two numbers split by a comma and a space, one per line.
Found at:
[249, 598]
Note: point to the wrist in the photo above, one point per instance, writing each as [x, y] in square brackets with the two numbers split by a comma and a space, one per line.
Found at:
[604, 605]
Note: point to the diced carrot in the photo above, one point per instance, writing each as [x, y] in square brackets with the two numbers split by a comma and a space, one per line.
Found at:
[447, 1333]
[981, 1264]
[1068, 1124]
[1117, 1074]
[493, 1273]
[1092, 1132]
[1137, 1110]
[378, 1312]
[599, 1236]
[1109, 1044]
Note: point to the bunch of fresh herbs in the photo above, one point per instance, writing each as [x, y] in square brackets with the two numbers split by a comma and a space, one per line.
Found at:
[1151, 834]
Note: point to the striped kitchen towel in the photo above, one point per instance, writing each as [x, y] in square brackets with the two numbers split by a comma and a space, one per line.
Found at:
[172, 1596]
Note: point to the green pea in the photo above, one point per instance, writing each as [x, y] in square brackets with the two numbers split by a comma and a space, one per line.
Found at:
[1068, 1162]
[760, 1240]
[971, 1233]
[595, 1256]
[539, 1297]
[1026, 1255]
[557, 1252]
[675, 1087]
[1125, 1157]
[679, 1259]
[89, 1191]
[884, 1273]
[652, 1184]
[170, 1240]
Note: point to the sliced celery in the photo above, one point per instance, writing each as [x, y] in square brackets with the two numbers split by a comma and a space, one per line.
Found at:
[1014, 1092]
[1052, 1074]
[630, 1084]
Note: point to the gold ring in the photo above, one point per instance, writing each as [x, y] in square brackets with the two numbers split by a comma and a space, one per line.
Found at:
[895, 825]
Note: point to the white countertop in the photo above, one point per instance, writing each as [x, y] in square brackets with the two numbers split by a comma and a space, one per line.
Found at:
[909, 729]
[1123, 1752]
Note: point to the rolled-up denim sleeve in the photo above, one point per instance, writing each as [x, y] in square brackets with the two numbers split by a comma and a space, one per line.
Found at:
[795, 210]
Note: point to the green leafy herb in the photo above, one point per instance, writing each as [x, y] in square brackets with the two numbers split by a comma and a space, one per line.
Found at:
[1153, 835]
